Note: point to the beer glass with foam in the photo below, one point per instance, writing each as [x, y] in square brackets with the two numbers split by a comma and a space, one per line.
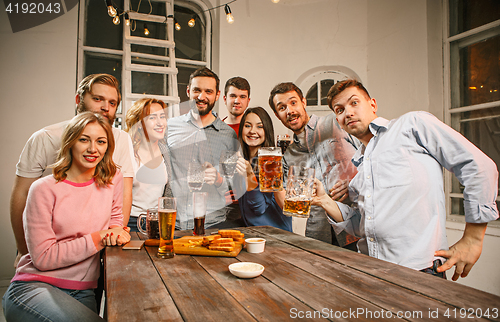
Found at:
[299, 192]
[167, 211]
[270, 169]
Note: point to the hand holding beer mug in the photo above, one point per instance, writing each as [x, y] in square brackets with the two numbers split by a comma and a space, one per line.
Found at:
[195, 176]
[228, 160]
[299, 192]
[270, 169]
[167, 211]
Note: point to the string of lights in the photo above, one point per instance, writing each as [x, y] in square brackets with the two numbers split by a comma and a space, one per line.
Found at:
[115, 13]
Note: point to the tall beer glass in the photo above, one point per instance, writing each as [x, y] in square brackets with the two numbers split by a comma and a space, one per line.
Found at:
[299, 192]
[167, 212]
[270, 169]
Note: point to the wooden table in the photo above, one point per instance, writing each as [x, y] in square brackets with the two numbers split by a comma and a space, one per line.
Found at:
[303, 278]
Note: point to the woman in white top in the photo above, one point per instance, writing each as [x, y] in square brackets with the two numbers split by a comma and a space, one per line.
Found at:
[146, 124]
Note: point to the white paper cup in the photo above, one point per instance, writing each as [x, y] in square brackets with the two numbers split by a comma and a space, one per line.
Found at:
[255, 245]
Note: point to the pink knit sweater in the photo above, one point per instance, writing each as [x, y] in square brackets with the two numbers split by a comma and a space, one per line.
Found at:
[61, 225]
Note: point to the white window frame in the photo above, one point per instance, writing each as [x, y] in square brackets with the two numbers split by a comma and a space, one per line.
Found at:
[198, 6]
[316, 75]
[451, 61]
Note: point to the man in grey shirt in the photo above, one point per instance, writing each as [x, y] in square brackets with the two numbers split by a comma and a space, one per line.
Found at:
[319, 143]
[200, 136]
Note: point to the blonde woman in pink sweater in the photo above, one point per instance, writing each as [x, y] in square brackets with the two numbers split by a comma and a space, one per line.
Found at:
[69, 217]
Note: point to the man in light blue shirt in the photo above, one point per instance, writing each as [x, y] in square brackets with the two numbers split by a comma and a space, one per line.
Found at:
[399, 202]
[200, 136]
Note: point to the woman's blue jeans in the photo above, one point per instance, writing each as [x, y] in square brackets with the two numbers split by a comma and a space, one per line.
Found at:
[37, 301]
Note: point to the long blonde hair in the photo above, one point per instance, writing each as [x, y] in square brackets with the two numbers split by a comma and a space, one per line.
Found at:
[139, 110]
[105, 169]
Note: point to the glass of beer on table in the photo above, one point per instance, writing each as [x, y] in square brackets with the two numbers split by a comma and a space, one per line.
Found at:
[283, 141]
[299, 192]
[270, 169]
[167, 211]
[199, 212]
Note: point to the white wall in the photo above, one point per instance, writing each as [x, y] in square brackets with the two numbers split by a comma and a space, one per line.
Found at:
[37, 86]
[393, 45]
[272, 43]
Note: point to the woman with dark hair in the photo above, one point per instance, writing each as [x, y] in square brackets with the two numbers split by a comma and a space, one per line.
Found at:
[146, 124]
[259, 208]
[69, 217]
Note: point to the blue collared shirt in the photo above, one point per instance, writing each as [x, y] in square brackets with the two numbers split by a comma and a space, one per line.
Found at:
[186, 142]
[400, 213]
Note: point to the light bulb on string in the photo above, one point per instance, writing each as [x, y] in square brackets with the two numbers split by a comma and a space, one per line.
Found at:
[177, 25]
[229, 16]
[127, 19]
[111, 9]
[116, 20]
[275, 1]
[191, 22]
[146, 30]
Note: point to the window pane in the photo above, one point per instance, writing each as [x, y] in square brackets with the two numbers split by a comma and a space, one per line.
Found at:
[481, 127]
[149, 83]
[457, 206]
[99, 28]
[326, 84]
[103, 63]
[469, 14]
[156, 31]
[479, 72]
[189, 40]
[312, 95]
[157, 8]
[158, 51]
[182, 82]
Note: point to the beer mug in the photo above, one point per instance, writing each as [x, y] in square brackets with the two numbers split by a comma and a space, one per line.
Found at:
[228, 160]
[195, 176]
[299, 192]
[152, 231]
[270, 169]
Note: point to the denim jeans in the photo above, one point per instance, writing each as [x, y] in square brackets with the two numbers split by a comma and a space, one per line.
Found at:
[132, 224]
[37, 301]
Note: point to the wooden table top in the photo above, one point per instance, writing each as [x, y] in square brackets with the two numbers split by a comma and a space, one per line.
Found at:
[303, 279]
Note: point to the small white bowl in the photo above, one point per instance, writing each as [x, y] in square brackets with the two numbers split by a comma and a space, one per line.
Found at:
[246, 269]
[255, 245]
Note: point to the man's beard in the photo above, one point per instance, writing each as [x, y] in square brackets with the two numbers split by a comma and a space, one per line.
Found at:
[80, 108]
[206, 110]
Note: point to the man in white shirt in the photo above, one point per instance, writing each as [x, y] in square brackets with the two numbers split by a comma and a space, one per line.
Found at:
[98, 93]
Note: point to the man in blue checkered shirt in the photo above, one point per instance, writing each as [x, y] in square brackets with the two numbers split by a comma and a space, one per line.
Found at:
[200, 136]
